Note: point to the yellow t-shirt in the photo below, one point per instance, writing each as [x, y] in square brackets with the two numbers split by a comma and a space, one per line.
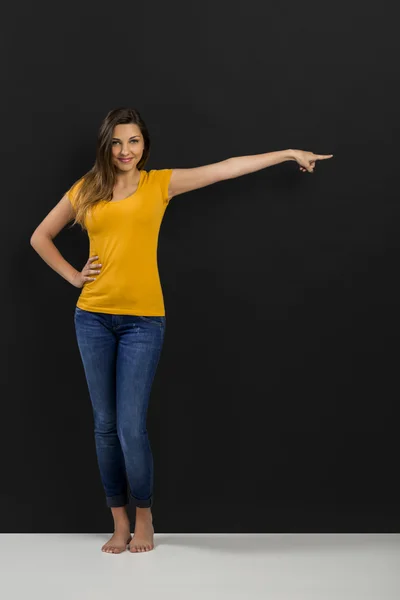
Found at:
[124, 234]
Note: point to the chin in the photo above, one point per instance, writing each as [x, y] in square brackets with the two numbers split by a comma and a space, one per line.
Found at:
[121, 164]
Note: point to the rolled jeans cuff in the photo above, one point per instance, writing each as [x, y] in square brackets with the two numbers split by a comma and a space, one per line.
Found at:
[148, 503]
[124, 499]
[116, 501]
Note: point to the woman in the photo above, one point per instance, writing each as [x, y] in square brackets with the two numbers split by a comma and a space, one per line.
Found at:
[120, 316]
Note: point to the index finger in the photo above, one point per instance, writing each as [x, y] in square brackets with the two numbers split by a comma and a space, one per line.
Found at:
[324, 156]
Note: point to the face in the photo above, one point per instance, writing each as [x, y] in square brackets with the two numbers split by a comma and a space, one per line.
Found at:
[127, 142]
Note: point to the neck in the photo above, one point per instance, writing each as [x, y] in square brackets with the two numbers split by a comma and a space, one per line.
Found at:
[128, 180]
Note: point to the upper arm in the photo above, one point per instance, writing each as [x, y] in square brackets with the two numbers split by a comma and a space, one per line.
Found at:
[185, 180]
[57, 218]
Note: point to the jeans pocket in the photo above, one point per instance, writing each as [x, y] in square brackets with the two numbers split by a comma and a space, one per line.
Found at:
[156, 320]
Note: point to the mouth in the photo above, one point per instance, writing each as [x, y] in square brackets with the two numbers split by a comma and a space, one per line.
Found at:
[125, 160]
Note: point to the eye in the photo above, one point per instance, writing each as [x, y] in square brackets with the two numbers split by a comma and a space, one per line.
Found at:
[117, 142]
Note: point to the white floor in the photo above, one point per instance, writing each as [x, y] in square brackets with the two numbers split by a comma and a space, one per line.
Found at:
[202, 566]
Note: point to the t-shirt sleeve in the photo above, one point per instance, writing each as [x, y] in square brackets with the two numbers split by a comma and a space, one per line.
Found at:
[163, 178]
[72, 192]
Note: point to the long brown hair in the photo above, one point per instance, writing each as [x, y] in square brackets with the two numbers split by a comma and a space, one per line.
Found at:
[98, 183]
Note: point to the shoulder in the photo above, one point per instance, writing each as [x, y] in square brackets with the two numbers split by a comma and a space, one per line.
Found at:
[73, 190]
[159, 174]
[162, 178]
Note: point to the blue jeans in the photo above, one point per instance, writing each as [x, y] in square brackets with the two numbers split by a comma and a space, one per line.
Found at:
[120, 354]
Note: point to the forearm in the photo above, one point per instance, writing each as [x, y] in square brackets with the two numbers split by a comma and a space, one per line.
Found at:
[47, 250]
[241, 165]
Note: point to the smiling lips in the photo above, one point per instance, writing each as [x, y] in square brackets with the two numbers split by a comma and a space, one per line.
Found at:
[125, 159]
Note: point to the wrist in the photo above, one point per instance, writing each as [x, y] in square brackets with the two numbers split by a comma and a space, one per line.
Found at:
[291, 154]
[73, 277]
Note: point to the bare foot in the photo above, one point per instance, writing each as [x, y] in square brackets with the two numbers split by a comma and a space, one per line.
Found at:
[143, 538]
[118, 541]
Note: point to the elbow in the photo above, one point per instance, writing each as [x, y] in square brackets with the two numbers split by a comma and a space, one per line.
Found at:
[36, 236]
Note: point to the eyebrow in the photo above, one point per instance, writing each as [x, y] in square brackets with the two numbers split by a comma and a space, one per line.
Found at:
[133, 136]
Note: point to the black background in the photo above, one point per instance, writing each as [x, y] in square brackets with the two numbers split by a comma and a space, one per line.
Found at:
[275, 403]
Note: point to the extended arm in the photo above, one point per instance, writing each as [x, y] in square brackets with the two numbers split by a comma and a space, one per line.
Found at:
[185, 180]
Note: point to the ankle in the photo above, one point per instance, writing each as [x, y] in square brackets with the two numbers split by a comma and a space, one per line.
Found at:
[120, 516]
[121, 524]
[143, 513]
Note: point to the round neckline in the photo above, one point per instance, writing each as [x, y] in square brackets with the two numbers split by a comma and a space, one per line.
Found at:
[130, 196]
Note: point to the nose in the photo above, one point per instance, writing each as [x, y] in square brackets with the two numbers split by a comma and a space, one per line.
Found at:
[124, 150]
